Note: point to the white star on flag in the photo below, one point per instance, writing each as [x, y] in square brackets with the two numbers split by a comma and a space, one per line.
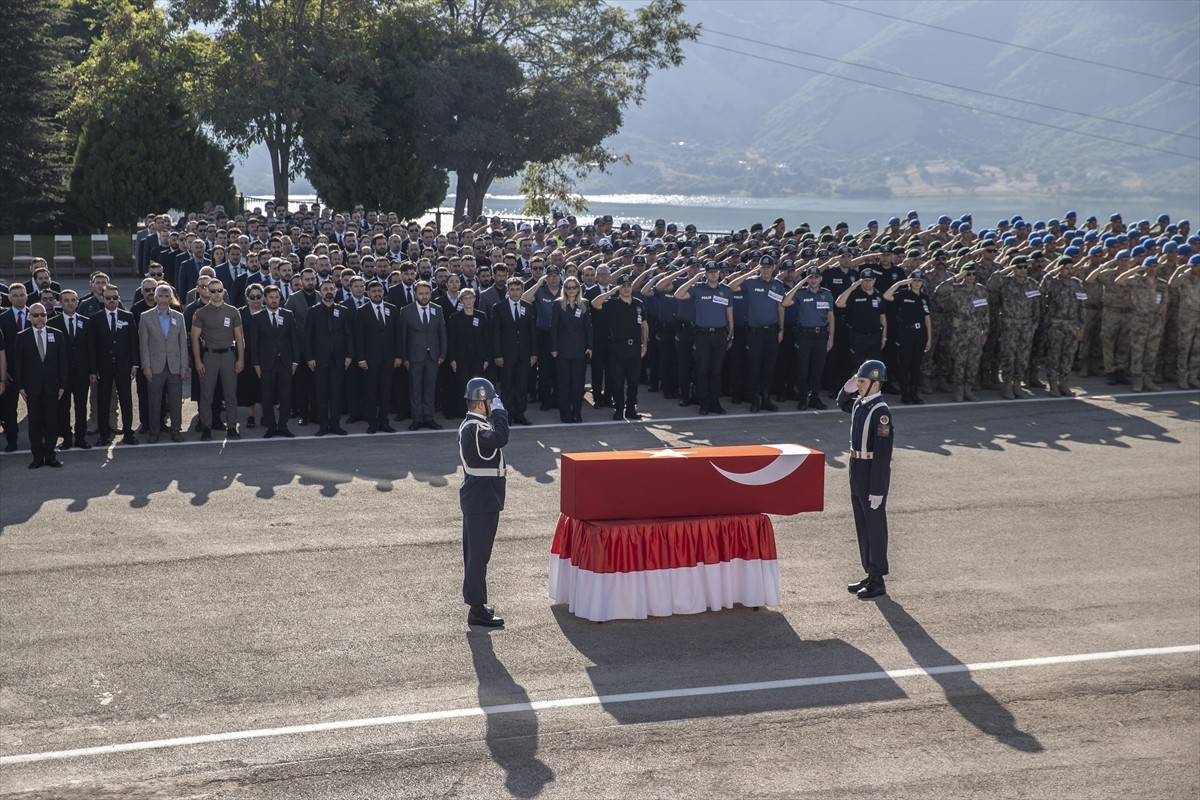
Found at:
[667, 452]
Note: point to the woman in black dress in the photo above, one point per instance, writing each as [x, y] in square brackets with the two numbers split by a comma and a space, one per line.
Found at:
[468, 351]
[571, 347]
[249, 385]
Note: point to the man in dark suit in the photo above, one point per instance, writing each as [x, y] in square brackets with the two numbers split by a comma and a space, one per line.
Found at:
[141, 246]
[40, 280]
[377, 353]
[116, 358]
[329, 347]
[275, 354]
[75, 331]
[13, 320]
[188, 271]
[513, 338]
[423, 348]
[40, 373]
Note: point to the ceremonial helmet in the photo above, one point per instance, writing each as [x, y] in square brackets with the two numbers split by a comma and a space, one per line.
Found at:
[873, 370]
[479, 389]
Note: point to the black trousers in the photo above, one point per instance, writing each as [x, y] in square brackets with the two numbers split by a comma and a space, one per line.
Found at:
[734, 379]
[377, 391]
[810, 362]
[8, 412]
[599, 367]
[570, 387]
[43, 422]
[303, 395]
[110, 376]
[352, 388]
[276, 382]
[75, 398]
[401, 394]
[624, 364]
[466, 371]
[709, 354]
[668, 357]
[870, 524]
[685, 338]
[910, 354]
[479, 534]
[328, 383]
[863, 347]
[762, 350]
[838, 366]
[514, 378]
[547, 382]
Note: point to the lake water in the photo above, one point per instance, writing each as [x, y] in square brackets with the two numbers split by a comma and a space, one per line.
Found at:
[718, 213]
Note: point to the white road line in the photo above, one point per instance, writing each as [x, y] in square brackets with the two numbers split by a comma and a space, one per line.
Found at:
[248, 438]
[572, 702]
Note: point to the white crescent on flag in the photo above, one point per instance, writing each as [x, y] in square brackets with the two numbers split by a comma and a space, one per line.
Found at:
[791, 456]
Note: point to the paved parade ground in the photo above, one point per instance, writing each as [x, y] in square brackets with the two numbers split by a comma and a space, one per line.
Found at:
[283, 620]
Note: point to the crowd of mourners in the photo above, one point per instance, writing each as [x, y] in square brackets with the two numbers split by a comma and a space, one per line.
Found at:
[316, 318]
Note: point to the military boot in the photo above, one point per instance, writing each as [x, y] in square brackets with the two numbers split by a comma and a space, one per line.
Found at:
[1065, 390]
[1053, 390]
[958, 394]
[1136, 383]
[967, 394]
[1182, 383]
[1008, 390]
[1112, 379]
[1020, 391]
[1149, 385]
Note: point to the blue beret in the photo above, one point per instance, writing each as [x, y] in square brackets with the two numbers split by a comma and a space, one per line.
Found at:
[1096, 251]
[1071, 251]
[1070, 215]
[1124, 254]
[1041, 223]
[943, 220]
[1053, 222]
[1170, 247]
[1163, 218]
[1091, 218]
[1091, 236]
[1114, 218]
[894, 221]
[1150, 261]
[1137, 252]
[871, 222]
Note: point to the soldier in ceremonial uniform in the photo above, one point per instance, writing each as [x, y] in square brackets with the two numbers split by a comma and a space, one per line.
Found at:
[870, 472]
[481, 439]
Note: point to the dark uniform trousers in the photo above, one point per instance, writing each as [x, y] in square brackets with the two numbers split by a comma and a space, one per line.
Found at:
[733, 381]
[685, 338]
[624, 364]
[763, 349]
[910, 355]
[547, 372]
[810, 360]
[870, 474]
[864, 347]
[329, 378]
[668, 374]
[276, 390]
[709, 354]
[481, 497]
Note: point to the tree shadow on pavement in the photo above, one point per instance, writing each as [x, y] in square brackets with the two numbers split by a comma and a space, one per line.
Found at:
[967, 697]
[512, 724]
[719, 649]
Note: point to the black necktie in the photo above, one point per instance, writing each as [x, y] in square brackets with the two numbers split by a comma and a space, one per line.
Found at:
[379, 313]
[21, 321]
[112, 317]
[407, 295]
[72, 327]
[424, 318]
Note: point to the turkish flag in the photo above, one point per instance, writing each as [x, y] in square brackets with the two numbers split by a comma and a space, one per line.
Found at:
[693, 482]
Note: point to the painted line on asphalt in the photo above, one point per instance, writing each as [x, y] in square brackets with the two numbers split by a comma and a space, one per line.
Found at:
[574, 702]
[247, 438]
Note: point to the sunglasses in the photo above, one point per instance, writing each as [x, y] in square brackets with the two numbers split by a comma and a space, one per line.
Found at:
[216, 291]
[35, 315]
[254, 297]
[156, 274]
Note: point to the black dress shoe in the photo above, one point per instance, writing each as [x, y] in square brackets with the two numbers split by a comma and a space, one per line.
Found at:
[285, 433]
[250, 423]
[802, 405]
[754, 406]
[577, 418]
[338, 431]
[632, 415]
[205, 434]
[413, 426]
[129, 438]
[618, 415]
[521, 419]
[917, 401]
[874, 588]
[321, 431]
[233, 433]
[683, 402]
[767, 405]
[269, 434]
[433, 425]
[373, 428]
[817, 403]
[37, 462]
[853, 588]
[11, 447]
[66, 445]
[718, 409]
[704, 411]
[485, 616]
[82, 444]
[218, 426]
[386, 428]
[53, 462]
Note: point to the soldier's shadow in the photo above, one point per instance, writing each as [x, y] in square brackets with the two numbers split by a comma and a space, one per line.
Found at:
[723, 649]
[512, 724]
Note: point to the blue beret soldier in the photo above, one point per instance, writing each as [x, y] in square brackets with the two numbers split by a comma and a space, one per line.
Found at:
[870, 471]
[481, 439]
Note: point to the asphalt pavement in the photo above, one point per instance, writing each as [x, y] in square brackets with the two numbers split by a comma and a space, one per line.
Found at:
[282, 620]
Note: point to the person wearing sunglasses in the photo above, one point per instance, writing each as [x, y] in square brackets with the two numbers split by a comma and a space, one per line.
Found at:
[218, 351]
[116, 359]
[40, 373]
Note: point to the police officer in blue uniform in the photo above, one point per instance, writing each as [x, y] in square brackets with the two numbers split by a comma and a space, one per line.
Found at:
[870, 472]
[481, 439]
[712, 303]
[814, 335]
[764, 298]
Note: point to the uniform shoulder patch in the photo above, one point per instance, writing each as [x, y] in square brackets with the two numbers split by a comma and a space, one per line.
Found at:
[884, 419]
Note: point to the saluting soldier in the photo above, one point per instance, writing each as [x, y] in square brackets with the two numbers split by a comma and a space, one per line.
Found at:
[1063, 299]
[481, 440]
[870, 472]
[969, 321]
[713, 332]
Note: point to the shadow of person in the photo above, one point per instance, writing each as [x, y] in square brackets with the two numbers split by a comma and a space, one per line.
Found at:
[967, 697]
[512, 725]
[740, 661]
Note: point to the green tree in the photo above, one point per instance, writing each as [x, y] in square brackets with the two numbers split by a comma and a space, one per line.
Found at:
[377, 162]
[274, 62]
[140, 147]
[541, 83]
[35, 56]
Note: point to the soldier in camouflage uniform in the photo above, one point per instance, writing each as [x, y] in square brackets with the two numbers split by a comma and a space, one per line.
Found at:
[1037, 347]
[966, 312]
[1164, 367]
[1145, 328]
[990, 366]
[1114, 323]
[1019, 299]
[1063, 299]
[1186, 281]
[1090, 350]
[936, 368]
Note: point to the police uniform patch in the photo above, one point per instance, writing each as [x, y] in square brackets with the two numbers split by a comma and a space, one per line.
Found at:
[884, 420]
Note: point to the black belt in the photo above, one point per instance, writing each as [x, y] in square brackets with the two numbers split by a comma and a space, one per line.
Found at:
[709, 331]
[663, 324]
[217, 350]
[683, 326]
[772, 327]
[912, 326]
[628, 341]
[820, 329]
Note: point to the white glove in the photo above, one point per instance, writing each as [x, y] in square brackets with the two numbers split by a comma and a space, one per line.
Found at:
[851, 385]
[497, 405]
[876, 501]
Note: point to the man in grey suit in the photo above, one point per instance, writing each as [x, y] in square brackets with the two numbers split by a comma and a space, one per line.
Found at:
[423, 348]
[162, 337]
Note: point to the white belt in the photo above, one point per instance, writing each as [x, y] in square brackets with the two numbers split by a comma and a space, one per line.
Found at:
[863, 454]
[484, 472]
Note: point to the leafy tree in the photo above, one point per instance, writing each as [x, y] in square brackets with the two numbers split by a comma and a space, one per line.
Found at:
[376, 161]
[272, 62]
[539, 82]
[140, 148]
[35, 54]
